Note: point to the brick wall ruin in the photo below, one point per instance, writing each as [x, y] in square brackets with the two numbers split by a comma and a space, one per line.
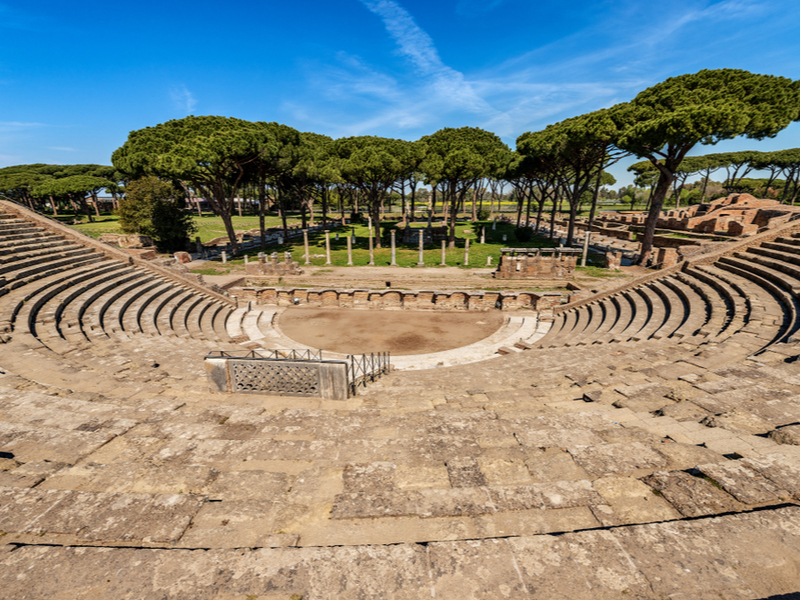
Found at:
[536, 263]
[399, 299]
[263, 266]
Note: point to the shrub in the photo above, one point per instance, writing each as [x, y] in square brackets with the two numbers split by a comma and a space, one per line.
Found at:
[484, 214]
[154, 208]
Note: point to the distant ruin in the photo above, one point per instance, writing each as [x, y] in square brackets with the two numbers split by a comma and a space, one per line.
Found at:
[272, 266]
[534, 263]
[734, 215]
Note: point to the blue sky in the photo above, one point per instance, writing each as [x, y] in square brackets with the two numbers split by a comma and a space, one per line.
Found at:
[76, 77]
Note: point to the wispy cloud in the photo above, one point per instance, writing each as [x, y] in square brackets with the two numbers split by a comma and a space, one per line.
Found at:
[416, 45]
[183, 99]
[6, 126]
[62, 148]
[609, 60]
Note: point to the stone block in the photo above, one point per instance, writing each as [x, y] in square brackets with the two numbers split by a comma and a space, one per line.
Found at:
[692, 496]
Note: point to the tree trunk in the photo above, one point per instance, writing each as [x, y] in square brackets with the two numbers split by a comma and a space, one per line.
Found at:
[573, 213]
[262, 209]
[53, 205]
[705, 185]
[96, 204]
[403, 207]
[413, 200]
[283, 221]
[454, 200]
[656, 202]
[540, 209]
[553, 213]
[520, 203]
[595, 197]
[325, 207]
[528, 209]
[229, 230]
[474, 209]
[376, 222]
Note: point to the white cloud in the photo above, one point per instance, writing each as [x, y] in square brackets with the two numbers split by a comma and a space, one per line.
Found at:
[608, 61]
[6, 126]
[62, 148]
[183, 99]
[416, 45]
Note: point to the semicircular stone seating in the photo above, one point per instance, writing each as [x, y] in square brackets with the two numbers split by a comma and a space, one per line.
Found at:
[740, 305]
[665, 413]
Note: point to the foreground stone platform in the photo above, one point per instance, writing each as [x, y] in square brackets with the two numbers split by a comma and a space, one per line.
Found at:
[748, 556]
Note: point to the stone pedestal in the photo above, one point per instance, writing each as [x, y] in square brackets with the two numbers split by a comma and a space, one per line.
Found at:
[613, 260]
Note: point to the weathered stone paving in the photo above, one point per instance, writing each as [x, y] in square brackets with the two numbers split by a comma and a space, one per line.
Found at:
[750, 555]
[622, 466]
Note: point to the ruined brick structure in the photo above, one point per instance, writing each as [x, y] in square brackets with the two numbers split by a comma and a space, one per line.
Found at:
[272, 266]
[536, 263]
[735, 215]
[398, 299]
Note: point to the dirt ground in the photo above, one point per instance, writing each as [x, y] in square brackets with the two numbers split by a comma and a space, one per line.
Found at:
[401, 332]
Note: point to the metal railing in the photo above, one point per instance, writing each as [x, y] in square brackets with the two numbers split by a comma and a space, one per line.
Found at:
[366, 368]
[315, 355]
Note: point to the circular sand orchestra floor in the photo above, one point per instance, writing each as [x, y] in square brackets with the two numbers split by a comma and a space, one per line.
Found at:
[406, 332]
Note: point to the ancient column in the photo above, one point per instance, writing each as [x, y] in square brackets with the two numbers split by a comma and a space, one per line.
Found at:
[394, 256]
[421, 262]
[483, 235]
[327, 247]
[224, 257]
[466, 253]
[444, 247]
[305, 242]
[349, 251]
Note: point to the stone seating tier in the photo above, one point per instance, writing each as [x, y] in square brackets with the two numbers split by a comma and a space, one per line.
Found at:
[662, 464]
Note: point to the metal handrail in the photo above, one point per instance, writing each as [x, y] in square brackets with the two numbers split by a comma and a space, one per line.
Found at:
[309, 355]
[366, 368]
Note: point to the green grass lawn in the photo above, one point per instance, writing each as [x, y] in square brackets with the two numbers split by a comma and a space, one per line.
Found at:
[210, 227]
[408, 255]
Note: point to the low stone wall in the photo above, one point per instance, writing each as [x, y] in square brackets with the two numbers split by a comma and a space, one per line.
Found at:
[662, 241]
[398, 299]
